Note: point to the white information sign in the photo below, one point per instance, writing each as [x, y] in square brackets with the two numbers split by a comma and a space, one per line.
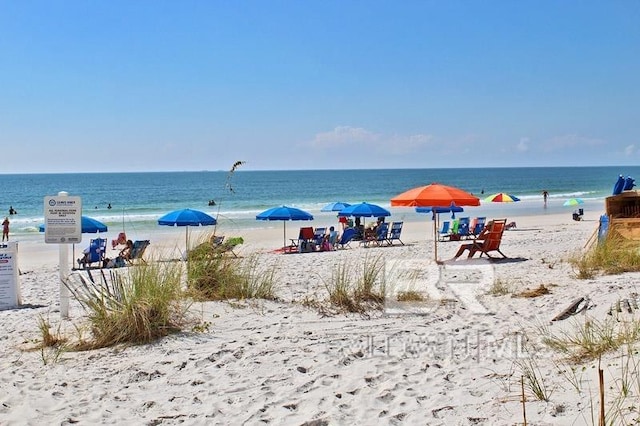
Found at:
[62, 219]
[9, 286]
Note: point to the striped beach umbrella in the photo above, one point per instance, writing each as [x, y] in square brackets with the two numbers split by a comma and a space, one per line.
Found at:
[573, 202]
[502, 197]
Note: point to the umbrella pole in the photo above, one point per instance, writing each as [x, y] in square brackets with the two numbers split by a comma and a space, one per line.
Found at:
[435, 236]
[284, 235]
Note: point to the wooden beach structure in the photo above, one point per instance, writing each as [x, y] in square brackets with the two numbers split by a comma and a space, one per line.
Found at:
[624, 214]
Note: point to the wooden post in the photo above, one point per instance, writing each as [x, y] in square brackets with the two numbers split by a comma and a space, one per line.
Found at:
[601, 382]
[524, 406]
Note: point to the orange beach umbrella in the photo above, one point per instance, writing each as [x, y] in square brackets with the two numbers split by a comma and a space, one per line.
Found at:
[435, 195]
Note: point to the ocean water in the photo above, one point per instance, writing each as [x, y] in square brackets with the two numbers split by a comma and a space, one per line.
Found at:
[139, 199]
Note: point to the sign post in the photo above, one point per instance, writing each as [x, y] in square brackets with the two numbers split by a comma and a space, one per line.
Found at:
[63, 226]
[9, 285]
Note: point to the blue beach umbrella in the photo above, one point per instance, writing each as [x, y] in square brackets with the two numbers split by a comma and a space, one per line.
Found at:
[284, 213]
[453, 209]
[335, 207]
[187, 218]
[364, 210]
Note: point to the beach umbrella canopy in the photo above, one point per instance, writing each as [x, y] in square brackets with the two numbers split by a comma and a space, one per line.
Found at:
[435, 195]
[88, 225]
[364, 210]
[335, 207]
[502, 197]
[186, 217]
[573, 202]
[284, 213]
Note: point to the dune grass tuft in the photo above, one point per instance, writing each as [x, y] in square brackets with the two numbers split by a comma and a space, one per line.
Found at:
[614, 255]
[132, 305]
[357, 289]
[223, 277]
[592, 338]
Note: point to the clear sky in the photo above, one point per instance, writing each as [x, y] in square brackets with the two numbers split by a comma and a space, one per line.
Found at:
[196, 85]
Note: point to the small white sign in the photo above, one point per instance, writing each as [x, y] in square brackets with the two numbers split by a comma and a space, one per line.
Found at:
[9, 285]
[62, 219]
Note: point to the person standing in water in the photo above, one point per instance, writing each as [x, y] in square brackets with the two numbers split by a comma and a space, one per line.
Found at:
[5, 229]
[545, 195]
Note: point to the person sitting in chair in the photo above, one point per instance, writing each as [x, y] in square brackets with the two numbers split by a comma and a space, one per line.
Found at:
[125, 253]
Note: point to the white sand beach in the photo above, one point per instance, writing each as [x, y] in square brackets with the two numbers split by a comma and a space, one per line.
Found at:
[283, 363]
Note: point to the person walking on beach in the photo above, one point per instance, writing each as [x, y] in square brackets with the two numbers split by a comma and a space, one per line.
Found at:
[545, 195]
[5, 229]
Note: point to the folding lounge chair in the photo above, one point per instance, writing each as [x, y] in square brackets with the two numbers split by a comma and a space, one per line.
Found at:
[318, 236]
[304, 242]
[488, 241]
[478, 224]
[346, 237]
[453, 234]
[463, 228]
[139, 247]
[222, 246]
[97, 247]
[394, 233]
[380, 237]
[444, 232]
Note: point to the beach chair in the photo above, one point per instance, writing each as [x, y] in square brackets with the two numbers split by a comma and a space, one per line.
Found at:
[97, 247]
[453, 234]
[139, 247]
[463, 228]
[222, 246]
[443, 233]
[488, 241]
[304, 243]
[394, 233]
[346, 237]
[318, 236]
[380, 236]
[477, 225]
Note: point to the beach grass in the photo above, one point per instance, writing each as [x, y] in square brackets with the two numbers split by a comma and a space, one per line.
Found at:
[215, 277]
[613, 255]
[592, 338]
[500, 287]
[132, 305]
[357, 287]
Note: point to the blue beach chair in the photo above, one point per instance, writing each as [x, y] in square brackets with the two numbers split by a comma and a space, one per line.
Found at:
[346, 237]
[394, 233]
[443, 233]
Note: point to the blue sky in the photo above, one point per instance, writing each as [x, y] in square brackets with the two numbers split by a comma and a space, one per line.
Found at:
[196, 85]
